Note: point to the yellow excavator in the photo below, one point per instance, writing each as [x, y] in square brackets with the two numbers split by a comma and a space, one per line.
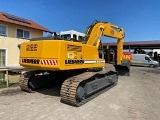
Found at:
[80, 65]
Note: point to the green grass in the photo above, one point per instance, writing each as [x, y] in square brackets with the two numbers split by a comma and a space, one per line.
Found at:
[4, 84]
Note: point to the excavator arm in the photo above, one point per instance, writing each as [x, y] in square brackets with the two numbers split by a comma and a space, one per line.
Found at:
[98, 29]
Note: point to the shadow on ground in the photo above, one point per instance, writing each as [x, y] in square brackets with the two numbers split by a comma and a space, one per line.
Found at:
[10, 91]
[55, 91]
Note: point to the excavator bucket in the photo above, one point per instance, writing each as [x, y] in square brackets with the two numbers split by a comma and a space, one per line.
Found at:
[123, 69]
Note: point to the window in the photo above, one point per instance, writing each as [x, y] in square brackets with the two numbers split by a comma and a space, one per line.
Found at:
[23, 34]
[66, 37]
[80, 38]
[2, 57]
[3, 30]
[74, 37]
[147, 58]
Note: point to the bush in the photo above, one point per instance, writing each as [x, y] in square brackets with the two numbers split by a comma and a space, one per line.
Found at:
[3, 84]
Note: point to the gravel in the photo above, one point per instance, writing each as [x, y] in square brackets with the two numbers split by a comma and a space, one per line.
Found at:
[134, 98]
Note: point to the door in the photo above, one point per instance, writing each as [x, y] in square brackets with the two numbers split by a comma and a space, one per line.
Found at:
[2, 57]
[146, 61]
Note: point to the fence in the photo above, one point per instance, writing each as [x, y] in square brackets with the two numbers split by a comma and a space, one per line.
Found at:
[6, 78]
[5, 73]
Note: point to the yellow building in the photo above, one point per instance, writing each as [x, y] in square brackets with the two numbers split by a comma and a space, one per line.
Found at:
[13, 31]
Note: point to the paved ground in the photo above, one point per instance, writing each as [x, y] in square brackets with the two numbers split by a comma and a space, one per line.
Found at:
[134, 98]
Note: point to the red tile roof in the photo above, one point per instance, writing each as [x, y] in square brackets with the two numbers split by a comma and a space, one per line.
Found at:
[29, 23]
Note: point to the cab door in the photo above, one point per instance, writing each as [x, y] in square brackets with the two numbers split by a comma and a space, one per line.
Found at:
[146, 61]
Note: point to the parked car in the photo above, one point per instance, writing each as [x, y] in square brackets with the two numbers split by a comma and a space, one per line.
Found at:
[143, 60]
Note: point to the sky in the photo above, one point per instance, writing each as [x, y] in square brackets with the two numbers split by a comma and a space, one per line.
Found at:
[139, 18]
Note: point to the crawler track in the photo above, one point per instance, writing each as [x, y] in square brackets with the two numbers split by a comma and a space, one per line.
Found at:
[69, 87]
[24, 80]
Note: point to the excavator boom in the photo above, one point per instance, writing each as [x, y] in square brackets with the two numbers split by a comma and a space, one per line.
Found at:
[98, 29]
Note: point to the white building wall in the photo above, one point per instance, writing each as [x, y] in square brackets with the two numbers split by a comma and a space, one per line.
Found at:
[12, 50]
[156, 50]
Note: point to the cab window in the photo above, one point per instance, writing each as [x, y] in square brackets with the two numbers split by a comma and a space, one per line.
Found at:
[66, 37]
[147, 58]
[80, 38]
[74, 37]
